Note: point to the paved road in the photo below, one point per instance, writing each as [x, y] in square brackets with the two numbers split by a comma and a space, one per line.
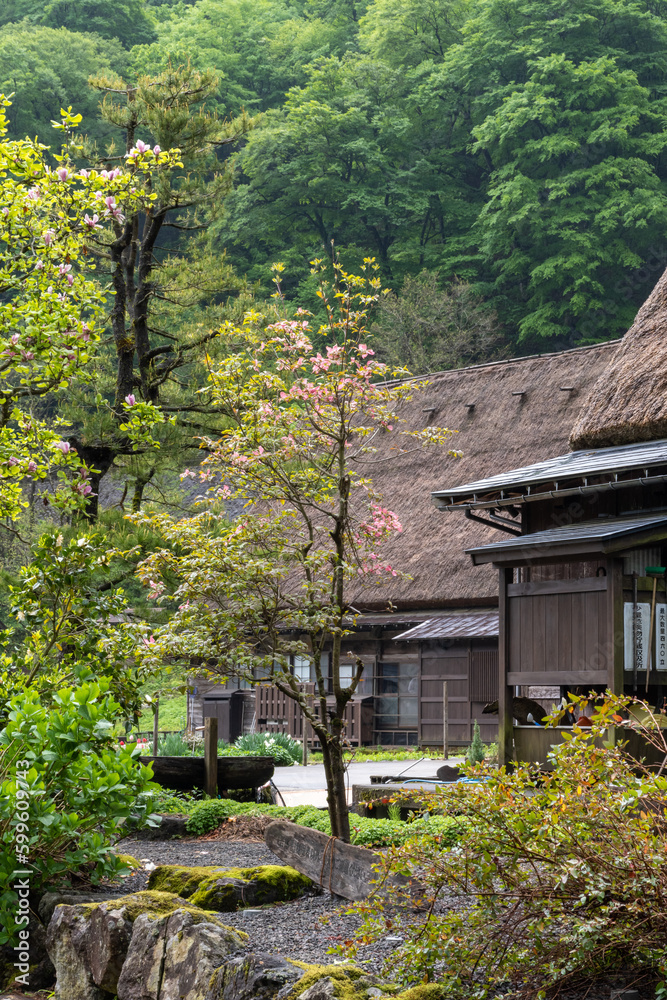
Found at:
[306, 785]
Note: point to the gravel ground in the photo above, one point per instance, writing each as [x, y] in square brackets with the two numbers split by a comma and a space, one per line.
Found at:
[303, 929]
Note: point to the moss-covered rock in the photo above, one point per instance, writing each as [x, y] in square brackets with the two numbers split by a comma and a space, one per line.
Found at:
[168, 938]
[348, 981]
[228, 889]
[425, 991]
[129, 860]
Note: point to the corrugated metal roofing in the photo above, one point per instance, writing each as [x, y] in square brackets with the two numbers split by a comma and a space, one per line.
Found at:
[600, 532]
[575, 465]
[478, 624]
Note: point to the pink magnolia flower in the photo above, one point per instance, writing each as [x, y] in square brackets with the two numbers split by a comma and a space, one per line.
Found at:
[48, 237]
[141, 147]
[85, 174]
[15, 338]
[91, 223]
[12, 461]
[63, 173]
[156, 150]
[39, 265]
[63, 446]
[32, 466]
[130, 400]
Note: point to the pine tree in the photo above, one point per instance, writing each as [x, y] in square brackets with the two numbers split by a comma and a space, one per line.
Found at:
[476, 751]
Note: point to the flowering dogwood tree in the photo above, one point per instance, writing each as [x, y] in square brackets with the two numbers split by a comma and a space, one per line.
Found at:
[50, 306]
[263, 571]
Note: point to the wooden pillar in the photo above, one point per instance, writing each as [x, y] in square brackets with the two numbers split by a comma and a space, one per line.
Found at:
[445, 720]
[615, 646]
[211, 756]
[156, 717]
[505, 694]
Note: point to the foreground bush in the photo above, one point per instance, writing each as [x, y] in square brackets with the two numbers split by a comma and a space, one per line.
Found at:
[558, 880]
[65, 792]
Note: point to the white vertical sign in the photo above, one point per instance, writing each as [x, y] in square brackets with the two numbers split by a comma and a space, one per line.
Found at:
[661, 636]
[636, 628]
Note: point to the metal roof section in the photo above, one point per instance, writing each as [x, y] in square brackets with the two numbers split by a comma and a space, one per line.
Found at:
[476, 625]
[604, 535]
[567, 475]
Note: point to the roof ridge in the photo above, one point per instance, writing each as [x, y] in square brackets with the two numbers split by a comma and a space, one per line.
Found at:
[504, 361]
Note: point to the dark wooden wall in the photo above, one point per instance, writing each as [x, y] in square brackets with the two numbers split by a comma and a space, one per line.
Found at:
[470, 667]
[557, 626]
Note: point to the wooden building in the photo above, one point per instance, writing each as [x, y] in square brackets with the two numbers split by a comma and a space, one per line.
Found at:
[581, 604]
[443, 622]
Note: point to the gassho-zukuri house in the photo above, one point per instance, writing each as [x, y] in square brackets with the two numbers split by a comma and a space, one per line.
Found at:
[581, 565]
[442, 623]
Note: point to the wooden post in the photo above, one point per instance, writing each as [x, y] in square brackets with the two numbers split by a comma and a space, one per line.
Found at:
[156, 716]
[445, 720]
[505, 723]
[306, 729]
[211, 756]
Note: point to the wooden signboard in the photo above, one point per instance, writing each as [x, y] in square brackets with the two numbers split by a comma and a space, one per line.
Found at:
[341, 868]
[637, 627]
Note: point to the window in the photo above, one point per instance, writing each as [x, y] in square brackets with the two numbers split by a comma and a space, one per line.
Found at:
[396, 695]
[302, 669]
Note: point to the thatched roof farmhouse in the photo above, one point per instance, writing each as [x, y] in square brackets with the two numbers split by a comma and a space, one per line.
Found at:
[507, 414]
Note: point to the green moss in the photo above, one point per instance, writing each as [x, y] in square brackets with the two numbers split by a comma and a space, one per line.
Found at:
[349, 981]
[129, 860]
[425, 991]
[216, 888]
[161, 904]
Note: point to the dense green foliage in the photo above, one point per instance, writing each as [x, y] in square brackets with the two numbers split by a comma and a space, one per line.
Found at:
[64, 792]
[517, 148]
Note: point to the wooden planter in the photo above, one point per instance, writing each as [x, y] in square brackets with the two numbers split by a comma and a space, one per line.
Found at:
[186, 773]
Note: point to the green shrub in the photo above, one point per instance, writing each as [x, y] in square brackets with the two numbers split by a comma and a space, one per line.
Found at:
[565, 873]
[280, 746]
[476, 751]
[64, 792]
[366, 832]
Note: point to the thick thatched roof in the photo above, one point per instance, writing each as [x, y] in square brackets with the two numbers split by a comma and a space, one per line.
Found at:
[628, 403]
[507, 414]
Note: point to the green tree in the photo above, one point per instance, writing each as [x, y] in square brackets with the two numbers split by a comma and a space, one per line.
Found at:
[158, 362]
[427, 328]
[575, 198]
[45, 69]
[409, 32]
[261, 49]
[538, 124]
[274, 581]
[334, 164]
[50, 304]
[127, 20]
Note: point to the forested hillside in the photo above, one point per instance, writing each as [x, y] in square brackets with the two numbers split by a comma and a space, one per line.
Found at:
[509, 156]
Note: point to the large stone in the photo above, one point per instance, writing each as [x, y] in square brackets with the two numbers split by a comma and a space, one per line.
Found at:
[253, 977]
[109, 932]
[173, 957]
[323, 989]
[228, 889]
[50, 900]
[170, 942]
[66, 941]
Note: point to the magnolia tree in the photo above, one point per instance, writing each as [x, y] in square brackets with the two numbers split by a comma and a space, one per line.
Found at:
[50, 304]
[263, 571]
